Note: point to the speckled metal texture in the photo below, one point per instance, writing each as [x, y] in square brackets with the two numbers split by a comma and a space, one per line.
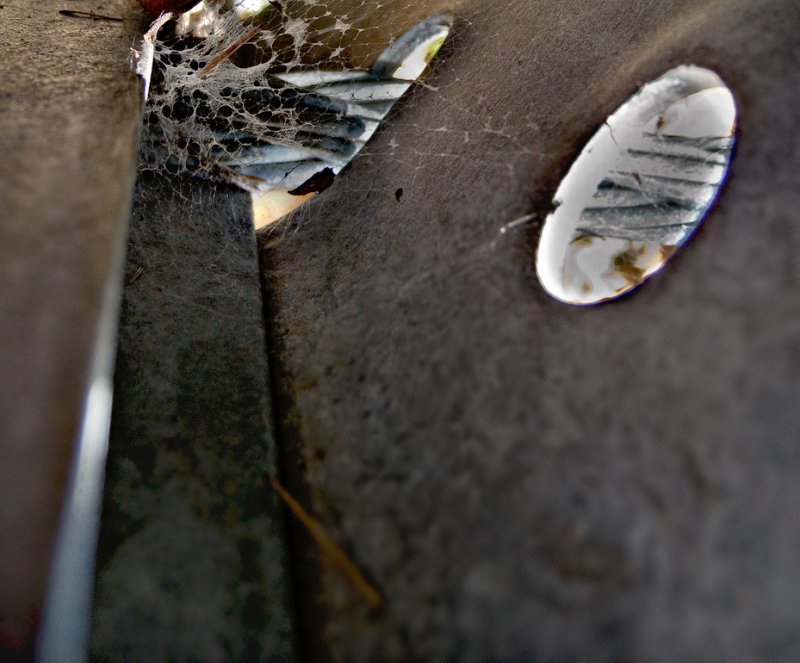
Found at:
[192, 557]
[527, 481]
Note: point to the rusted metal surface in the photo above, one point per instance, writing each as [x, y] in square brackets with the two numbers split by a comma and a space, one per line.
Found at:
[69, 114]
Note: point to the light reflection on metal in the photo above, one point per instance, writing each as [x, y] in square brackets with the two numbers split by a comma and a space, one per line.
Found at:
[65, 627]
[639, 189]
[66, 616]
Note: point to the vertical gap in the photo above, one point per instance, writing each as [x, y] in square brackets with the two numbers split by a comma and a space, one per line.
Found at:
[310, 616]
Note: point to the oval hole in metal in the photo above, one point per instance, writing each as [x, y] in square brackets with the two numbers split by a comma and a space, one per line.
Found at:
[639, 189]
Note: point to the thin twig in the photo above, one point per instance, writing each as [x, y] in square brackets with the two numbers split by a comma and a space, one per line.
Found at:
[152, 32]
[521, 221]
[74, 13]
[334, 552]
[225, 54]
[139, 271]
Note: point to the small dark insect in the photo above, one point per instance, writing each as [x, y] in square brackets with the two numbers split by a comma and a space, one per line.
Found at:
[398, 194]
[317, 182]
[277, 5]
[74, 13]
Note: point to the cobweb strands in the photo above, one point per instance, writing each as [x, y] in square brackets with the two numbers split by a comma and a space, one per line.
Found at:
[275, 98]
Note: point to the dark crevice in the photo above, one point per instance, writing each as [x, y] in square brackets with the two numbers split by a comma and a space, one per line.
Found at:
[310, 616]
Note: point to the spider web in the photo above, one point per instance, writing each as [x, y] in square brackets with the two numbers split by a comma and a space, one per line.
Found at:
[278, 97]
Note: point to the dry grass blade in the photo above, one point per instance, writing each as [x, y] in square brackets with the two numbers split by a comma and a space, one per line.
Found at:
[226, 53]
[139, 271]
[333, 551]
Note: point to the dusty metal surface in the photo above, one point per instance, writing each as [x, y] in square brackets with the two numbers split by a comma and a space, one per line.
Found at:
[524, 480]
[69, 113]
[192, 556]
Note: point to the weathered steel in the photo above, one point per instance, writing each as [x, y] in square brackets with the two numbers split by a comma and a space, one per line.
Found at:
[191, 562]
[69, 115]
[522, 479]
